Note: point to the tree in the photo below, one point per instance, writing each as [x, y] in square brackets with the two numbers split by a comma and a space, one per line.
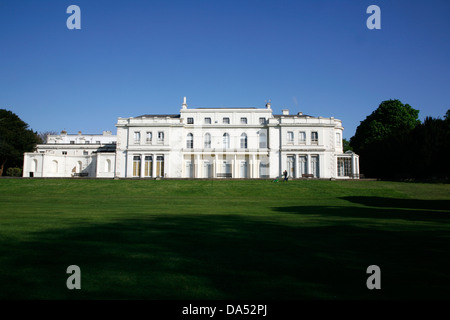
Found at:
[43, 135]
[346, 145]
[380, 139]
[15, 139]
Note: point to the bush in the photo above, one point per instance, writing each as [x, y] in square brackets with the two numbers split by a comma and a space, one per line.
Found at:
[14, 172]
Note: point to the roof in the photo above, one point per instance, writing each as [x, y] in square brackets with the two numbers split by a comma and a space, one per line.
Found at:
[158, 116]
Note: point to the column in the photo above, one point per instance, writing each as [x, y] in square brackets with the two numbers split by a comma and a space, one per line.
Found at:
[142, 165]
[153, 165]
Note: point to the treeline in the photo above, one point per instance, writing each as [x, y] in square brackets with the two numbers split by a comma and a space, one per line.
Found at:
[394, 144]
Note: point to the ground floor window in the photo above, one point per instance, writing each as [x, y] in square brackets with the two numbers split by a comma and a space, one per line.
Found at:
[344, 167]
[315, 168]
[136, 166]
[148, 166]
[160, 166]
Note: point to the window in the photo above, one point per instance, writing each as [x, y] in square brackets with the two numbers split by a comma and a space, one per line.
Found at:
[302, 137]
[97, 142]
[72, 141]
[64, 153]
[290, 137]
[226, 120]
[262, 140]
[226, 141]
[190, 141]
[314, 137]
[137, 137]
[85, 153]
[207, 141]
[160, 137]
[149, 137]
[207, 120]
[190, 120]
[344, 167]
[136, 166]
[262, 120]
[148, 166]
[87, 142]
[338, 139]
[243, 120]
[243, 141]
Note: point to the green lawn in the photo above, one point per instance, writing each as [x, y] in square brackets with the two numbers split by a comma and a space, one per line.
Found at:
[180, 239]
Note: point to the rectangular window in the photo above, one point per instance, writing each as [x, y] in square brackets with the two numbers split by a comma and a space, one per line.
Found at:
[72, 142]
[160, 137]
[87, 142]
[226, 120]
[64, 153]
[314, 137]
[85, 153]
[344, 167]
[149, 137]
[148, 166]
[207, 120]
[302, 137]
[290, 137]
[136, 166]
[137, 137]
[338, 139]
[243, 120]
[97, 142]
[262, 120]
[190, 120]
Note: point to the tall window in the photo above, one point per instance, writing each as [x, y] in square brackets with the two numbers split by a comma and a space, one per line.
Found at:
[344, 167]
[226, 120]
[207, 120]
[243, 120]
[338, 138]
[160, 137]
[226, 141]
[190, 141]
[262, 120]
[262, 140]
[207, 141]
[190, 120]
[290, 137]
[136, 166]
[148, 166]
[314, 137]
[149, 137]
[302, 137]
[243, 141]
[137, 137]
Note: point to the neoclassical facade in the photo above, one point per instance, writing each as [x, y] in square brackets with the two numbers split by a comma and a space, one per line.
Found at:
[244, 143]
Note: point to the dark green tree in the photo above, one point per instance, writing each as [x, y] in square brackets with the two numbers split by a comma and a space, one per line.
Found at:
[15, 139]
[346, 145]
[381, 138]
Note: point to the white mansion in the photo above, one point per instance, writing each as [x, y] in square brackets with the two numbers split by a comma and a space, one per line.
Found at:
[201, 143]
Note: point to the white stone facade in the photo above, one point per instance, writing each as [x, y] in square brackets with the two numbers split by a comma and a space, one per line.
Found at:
[208, 143]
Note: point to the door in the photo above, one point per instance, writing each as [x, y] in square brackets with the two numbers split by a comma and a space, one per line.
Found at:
[291, 166]
[243, 169]
[315, 166]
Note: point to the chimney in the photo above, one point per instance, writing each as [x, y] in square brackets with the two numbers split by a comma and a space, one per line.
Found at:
[285, 112]
[268, 105]
[184, 105]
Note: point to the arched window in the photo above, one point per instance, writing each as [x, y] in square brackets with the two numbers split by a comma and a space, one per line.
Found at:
[190, 141]
[243, 141]
[207, 141]
[226, 141]
[262, 140]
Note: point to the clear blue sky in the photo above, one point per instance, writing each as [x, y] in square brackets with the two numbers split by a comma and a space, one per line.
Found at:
[140, 57]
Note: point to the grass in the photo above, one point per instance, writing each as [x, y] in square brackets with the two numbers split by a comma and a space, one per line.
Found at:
[234, 239]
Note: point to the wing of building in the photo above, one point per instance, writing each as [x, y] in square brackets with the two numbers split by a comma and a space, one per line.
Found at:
[201, 143]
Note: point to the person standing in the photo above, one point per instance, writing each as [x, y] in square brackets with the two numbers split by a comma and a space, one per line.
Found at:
[285, 175]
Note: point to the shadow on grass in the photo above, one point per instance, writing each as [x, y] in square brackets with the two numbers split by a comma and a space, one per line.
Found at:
[229, 257]
[400, 203]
